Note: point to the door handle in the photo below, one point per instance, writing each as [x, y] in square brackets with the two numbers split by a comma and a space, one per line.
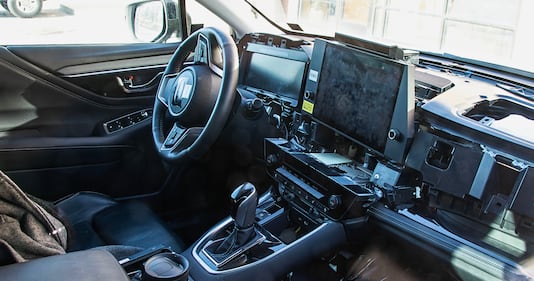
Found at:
[129, 87]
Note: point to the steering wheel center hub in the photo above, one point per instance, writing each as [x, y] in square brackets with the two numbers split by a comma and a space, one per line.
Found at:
[185, 88]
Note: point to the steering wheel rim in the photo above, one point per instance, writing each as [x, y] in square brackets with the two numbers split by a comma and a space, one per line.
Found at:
[184, 141]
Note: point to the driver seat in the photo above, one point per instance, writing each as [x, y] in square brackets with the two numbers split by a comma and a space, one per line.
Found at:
[93, 220]
[90, 219]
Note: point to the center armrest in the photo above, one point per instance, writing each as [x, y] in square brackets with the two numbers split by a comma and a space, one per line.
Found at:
[89, 265]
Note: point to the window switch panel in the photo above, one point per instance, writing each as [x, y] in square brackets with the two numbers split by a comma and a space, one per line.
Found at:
[126, 121]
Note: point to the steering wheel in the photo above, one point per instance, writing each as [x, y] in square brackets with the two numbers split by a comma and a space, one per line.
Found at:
[194, 100]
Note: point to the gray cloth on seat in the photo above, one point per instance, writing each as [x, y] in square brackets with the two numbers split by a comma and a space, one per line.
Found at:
[27, 229]
[89, 265]
[119, 251]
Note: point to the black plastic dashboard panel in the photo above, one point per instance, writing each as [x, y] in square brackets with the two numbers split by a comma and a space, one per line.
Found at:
[441, 161]
[447, 112]
[470, 261]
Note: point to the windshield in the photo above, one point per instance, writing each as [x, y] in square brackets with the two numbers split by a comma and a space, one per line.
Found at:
[495, 31]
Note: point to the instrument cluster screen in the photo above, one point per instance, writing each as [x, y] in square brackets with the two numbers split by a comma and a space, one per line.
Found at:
[276, 75]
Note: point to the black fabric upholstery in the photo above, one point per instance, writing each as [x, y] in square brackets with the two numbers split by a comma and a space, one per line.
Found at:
[90, 265]
[133, 224]
[96, 220]
[77, 211]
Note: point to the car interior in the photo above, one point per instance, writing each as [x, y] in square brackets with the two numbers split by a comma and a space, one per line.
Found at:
[267, 157]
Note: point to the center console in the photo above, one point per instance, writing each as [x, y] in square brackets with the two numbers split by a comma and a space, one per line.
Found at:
[277, 244]
[316, 199]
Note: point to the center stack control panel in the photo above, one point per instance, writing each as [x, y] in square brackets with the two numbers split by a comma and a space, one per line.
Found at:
[317, 191]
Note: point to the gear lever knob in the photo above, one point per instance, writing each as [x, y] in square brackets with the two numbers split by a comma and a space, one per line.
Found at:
[244, 200]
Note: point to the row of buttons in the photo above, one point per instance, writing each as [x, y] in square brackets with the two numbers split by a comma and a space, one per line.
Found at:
[127, 120]
[289, 190]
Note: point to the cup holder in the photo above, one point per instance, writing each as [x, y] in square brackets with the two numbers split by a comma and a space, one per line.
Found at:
[166, 266]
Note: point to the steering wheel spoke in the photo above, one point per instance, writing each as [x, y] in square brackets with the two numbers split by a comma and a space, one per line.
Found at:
[174, 137]
[180, 138]
[167, 88]
[204, 52]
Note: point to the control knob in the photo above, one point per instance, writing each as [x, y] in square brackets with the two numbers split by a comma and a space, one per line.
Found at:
[334, 201]
[272, 159]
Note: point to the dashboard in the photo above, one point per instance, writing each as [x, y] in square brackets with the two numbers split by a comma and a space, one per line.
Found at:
[362, 124]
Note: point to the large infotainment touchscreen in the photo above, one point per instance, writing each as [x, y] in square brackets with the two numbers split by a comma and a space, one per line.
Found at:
[357, 93]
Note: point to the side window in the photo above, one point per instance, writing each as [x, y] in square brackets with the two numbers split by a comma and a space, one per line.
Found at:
[63, 22]
[87, 22]
[200, 16]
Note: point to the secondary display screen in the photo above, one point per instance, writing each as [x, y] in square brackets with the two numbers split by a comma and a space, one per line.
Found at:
[356, 94]
[276, 75]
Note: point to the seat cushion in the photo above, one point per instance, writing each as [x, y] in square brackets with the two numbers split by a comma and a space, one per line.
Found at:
[96, 220]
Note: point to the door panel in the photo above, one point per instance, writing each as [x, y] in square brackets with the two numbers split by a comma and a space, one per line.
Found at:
[53, 139]
[96, 68]
[58, 58]
[130, 82]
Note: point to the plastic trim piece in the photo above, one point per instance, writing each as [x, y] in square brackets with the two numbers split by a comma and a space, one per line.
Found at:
[333, 230]
[466, 257]
[127, 121]
[113, 71]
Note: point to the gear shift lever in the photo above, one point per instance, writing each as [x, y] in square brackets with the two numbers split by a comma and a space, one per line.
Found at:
[245, 201]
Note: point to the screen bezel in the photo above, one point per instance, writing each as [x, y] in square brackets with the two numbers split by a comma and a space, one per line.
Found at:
[358, 130]
[281, 53]
[402, 121]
